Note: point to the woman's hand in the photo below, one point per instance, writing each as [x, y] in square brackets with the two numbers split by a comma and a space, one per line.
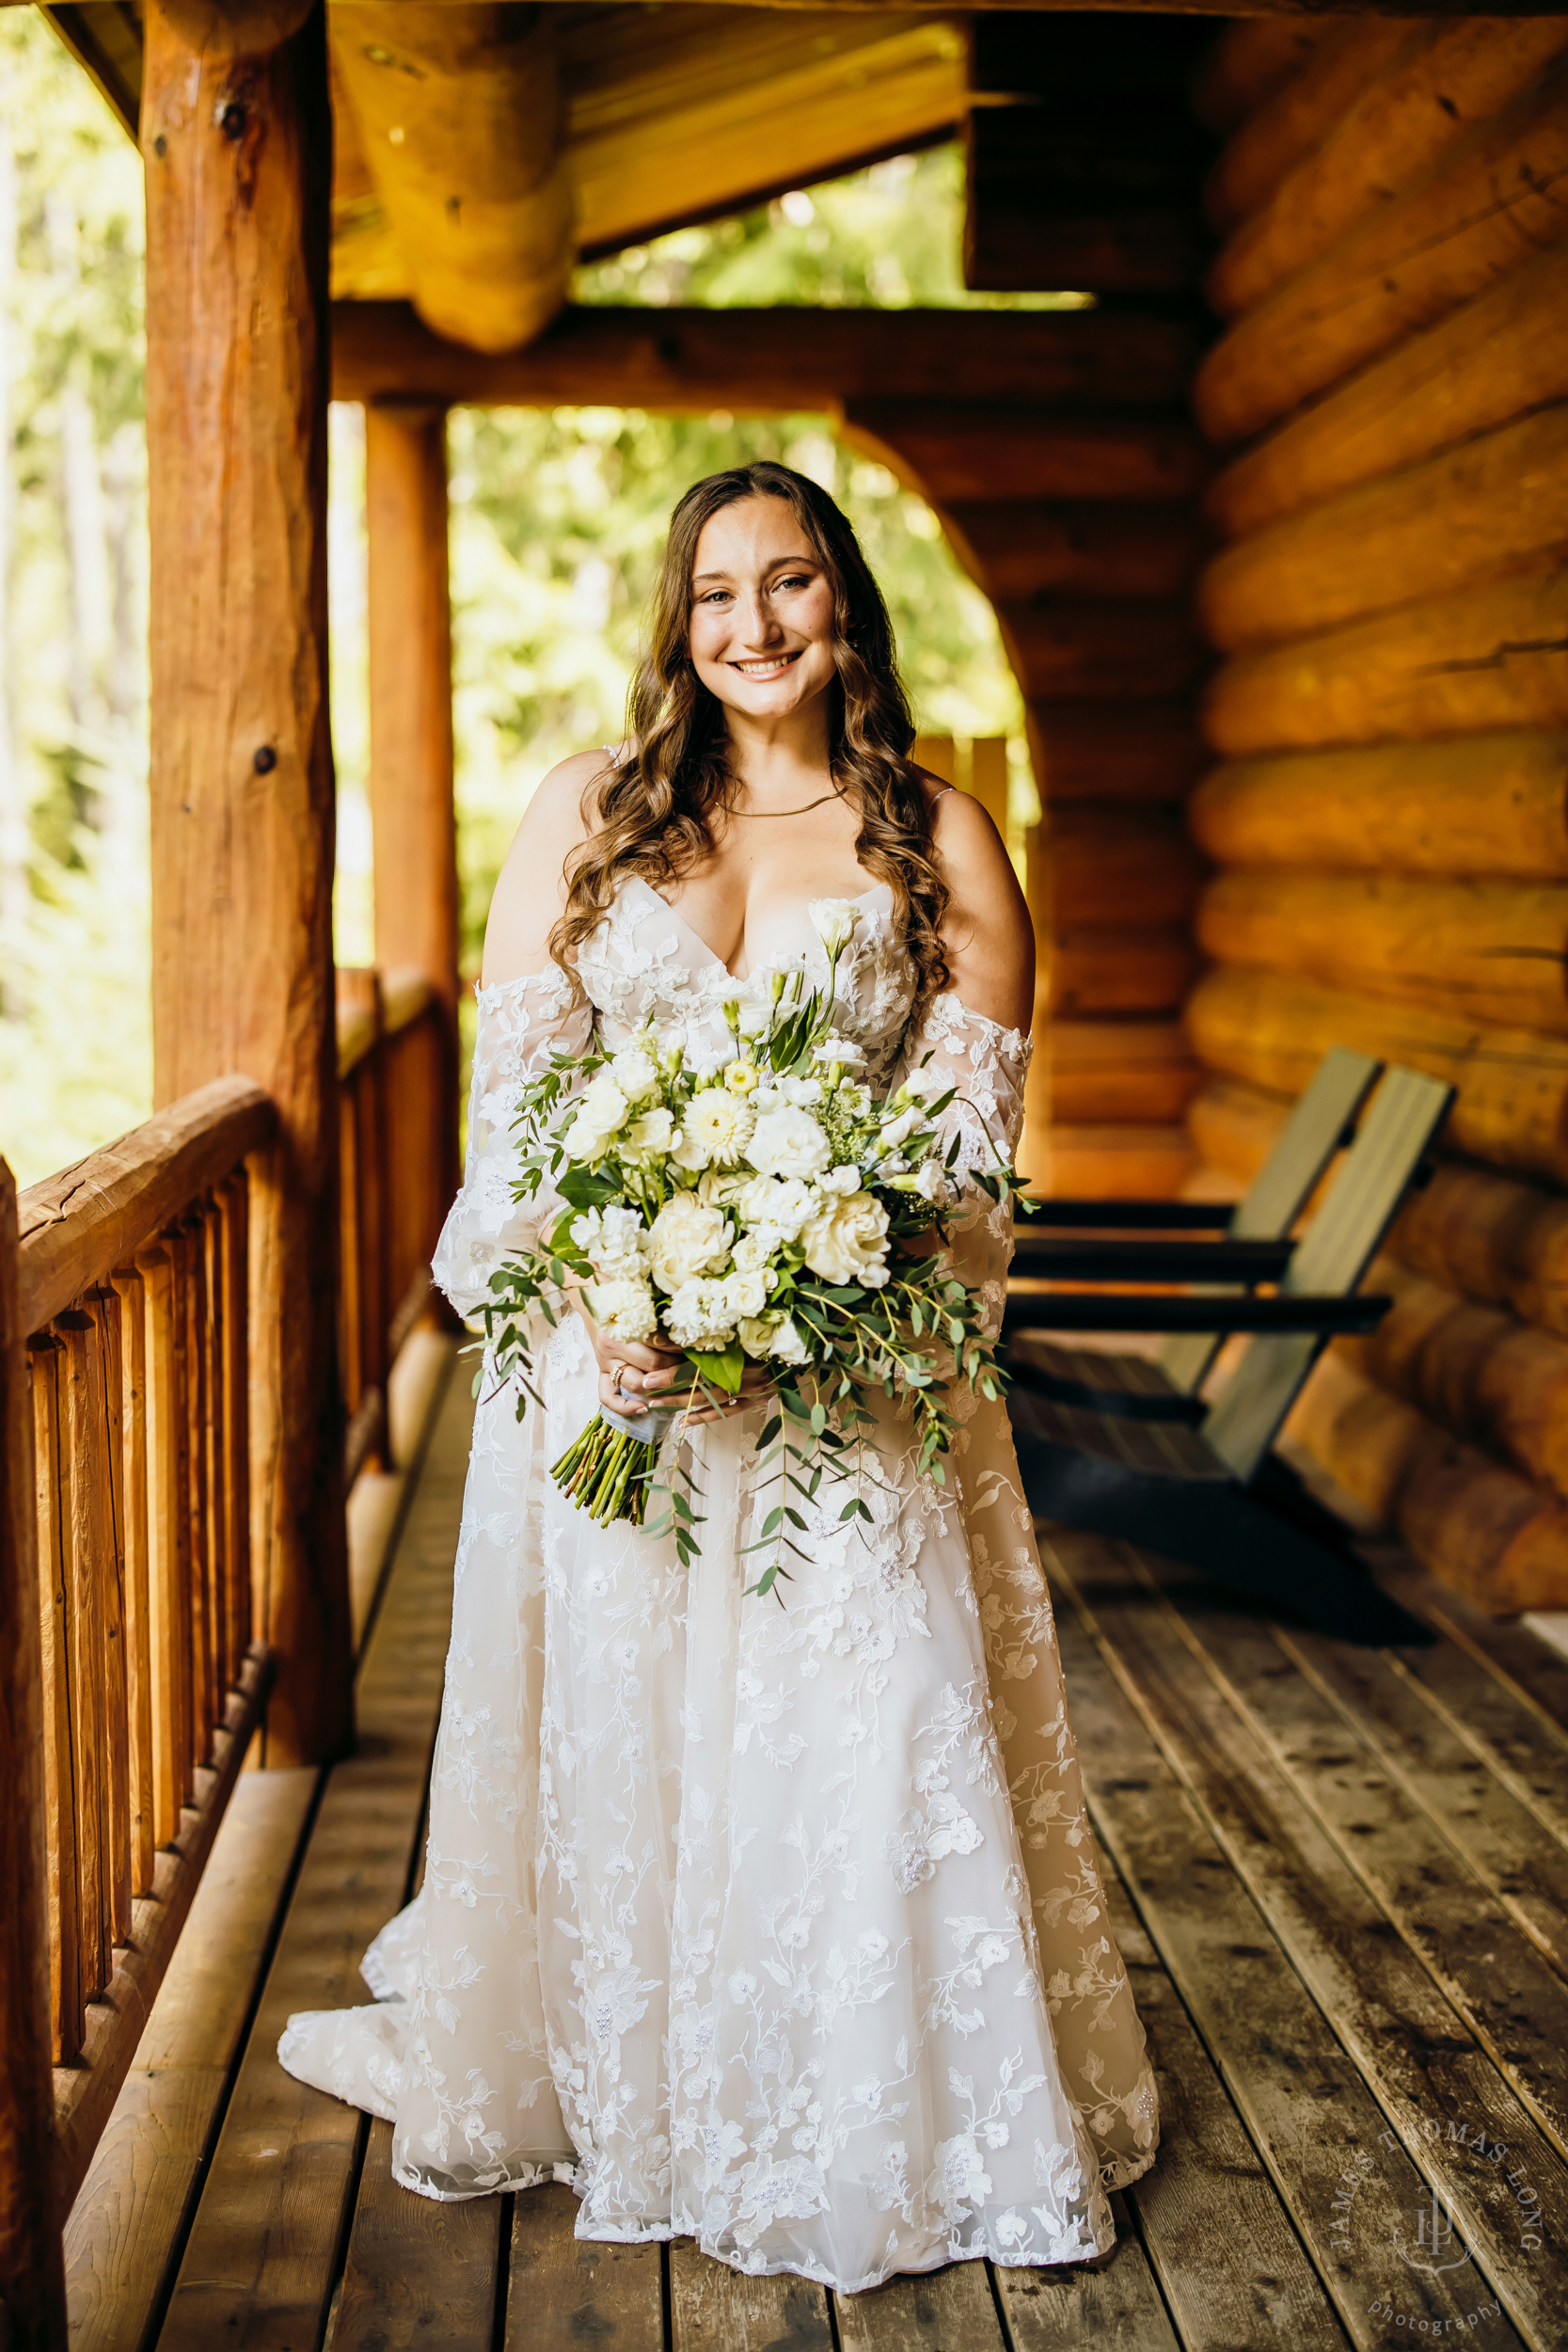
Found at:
[634, 1373]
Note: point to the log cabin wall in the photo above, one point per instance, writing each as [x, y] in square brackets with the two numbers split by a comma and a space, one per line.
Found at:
[1389, 814]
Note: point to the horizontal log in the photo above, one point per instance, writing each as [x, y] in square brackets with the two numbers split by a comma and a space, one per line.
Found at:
[1116, 1162]
[782, 360]
[1477, 1371]
[77, 1226]
[1105, 752]
[1471, 804]
[1489, 657]
[1478, 1526]
[1441, 82]
[1494, 358]
[1091, 970]
[405, 992]
[1234, 1126]
[1468, 515]
[1031, 243]
[1491, 952]
[1252, 59]
[1271, 1029]
[1095, 865]
[1081, 647]
[1015, 549]
[1107, 1071]
[1493, 202]
[956, 449]
[1291, 120]
[461, 119]
[1491, 1238]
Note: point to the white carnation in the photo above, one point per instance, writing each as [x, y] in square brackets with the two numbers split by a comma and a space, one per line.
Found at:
[635, 1071]
[839, 1180]
[689, 1237]
[614, 1243]
[699, 1314]
[788, 1344]
[847, 1240]
[718, 1124]
[623, 1309]
[790, 1142]
[777, 1206]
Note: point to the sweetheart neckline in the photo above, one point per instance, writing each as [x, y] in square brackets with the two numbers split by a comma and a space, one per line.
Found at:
[740, 979]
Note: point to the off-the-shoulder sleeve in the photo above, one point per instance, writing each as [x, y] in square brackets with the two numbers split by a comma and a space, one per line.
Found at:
[986, 1065]
[521, 1022]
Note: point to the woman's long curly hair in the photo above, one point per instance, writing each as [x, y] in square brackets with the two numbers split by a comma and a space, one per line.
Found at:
[655, 808]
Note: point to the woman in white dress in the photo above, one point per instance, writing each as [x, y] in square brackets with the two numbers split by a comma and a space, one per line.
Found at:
[775, 1926]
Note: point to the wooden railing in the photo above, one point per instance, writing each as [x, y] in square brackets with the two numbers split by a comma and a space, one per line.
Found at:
[131, 1669]
[396, 1129]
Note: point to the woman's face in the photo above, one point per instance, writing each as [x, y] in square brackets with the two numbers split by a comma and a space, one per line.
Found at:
[762, 610]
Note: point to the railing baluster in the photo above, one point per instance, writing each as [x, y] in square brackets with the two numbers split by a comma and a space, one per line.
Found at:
[104, 1309]
[193, 1275]
[131, 1291]
[65, 1983]
[167, 1540]
[234, 1208]
[213, 1456]
[86, 1542]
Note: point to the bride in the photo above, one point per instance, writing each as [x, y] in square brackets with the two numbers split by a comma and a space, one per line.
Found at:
[777, 1927]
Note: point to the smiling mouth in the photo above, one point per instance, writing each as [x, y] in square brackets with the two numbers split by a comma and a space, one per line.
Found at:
[773, 666]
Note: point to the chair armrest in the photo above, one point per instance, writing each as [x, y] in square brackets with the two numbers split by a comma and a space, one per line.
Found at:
[1046, 1255]
[1068, 1311]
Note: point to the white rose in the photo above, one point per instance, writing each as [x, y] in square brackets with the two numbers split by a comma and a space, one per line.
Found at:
[839, 1180]
[790, 1142]
[719, 1125]
[933, 1182]
[652, 1133]
[788, 1344]
[755, 1332]
[752, 1252]
[698, 1315]
[603, 1104]
[636, 1073]
[689, 1237]
[583, 1140]
[834, 921]
[847, 1240]
[745, 1291]
[623, 1309]
[781, 1207]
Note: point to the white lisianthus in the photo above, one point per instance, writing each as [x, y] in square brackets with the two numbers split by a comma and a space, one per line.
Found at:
[719, 1125]
[754, 1017]
[790, 1142]
[896, 1131]
[635, 1071]
[834, 921]
[847, 1240]
[844, 1180]
[625, 1308]
[755, 1332]
[745, 1290]
[699, 1314]
[654, 1132]
[780, 1205]
[689, 1237]
[801, 1092]
[839, 1049]
[926, 1083]
[933, 1182]
[614, 1243]
[786, 1343]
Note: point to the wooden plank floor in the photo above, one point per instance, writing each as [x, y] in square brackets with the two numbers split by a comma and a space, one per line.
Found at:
[1339, 1880]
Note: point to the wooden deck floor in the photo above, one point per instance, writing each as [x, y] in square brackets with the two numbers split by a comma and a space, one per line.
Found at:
[1340, 1879]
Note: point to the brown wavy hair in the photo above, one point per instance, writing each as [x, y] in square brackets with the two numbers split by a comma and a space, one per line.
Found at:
[655, 808]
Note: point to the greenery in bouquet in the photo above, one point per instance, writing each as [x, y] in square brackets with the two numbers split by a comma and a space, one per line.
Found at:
[761, 1211]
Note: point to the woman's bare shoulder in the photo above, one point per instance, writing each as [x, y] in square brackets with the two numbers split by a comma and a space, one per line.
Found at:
[530, 889]
[987, 932]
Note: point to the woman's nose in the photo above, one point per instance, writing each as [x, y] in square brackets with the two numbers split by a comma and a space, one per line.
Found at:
[762, 624]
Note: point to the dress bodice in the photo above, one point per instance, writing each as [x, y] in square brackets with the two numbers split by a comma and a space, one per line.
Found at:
[646, 963]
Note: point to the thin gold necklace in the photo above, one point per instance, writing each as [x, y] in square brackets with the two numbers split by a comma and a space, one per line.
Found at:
[805, 806]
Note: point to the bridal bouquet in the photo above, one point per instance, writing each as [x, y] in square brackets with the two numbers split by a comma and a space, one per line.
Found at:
[750, 1212]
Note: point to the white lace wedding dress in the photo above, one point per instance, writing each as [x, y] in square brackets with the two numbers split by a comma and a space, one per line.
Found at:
[777, 1927]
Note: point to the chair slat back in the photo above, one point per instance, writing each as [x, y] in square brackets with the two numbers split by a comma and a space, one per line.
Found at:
[1323, 1117]
[1329, 1262]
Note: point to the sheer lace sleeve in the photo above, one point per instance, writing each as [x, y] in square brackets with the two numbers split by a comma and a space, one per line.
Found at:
[521, 1022]
[988, 1065]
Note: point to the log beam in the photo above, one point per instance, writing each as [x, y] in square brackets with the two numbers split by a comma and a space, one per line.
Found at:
[237, 144]
[778, 360]
[413, 814]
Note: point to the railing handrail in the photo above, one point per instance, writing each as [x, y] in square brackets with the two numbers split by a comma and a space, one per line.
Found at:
[78, 1225]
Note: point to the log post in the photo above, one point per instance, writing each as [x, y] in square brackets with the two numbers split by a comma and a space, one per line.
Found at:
[32, 2273]
[236, 137]
[412, 814]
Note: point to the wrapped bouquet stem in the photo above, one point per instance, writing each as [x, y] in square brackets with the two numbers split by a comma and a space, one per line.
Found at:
[754, 1213]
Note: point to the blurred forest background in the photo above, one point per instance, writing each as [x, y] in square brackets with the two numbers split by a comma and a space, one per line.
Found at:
[558, 517]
